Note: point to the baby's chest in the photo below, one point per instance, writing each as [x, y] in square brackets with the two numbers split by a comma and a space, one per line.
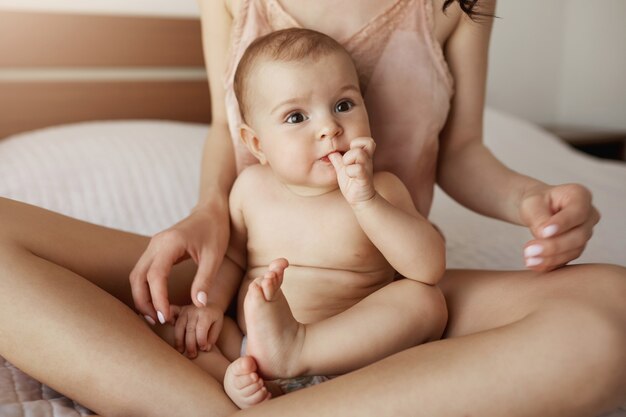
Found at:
[319, 235]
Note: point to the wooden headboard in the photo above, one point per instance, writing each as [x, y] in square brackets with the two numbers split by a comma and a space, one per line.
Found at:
[63, 68]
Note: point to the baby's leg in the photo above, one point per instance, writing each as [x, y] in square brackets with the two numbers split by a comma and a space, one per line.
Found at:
[402, 314]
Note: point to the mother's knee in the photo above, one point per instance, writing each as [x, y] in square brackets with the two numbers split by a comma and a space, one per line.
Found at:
[598, 292]
[594, 342]
[594, 312]
[594, 285]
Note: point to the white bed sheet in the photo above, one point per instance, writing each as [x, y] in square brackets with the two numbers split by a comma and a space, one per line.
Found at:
[142, 176]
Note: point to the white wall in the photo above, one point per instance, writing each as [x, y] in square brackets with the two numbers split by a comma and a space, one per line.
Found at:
[593, 82]
[560, 62]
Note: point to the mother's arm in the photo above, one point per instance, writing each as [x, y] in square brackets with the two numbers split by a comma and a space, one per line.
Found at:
[204, 234]
[471, 174]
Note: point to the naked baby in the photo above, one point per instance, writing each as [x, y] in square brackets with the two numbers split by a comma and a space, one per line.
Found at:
[334, 267]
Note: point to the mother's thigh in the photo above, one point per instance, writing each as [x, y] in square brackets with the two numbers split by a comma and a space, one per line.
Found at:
[482, 300]
[102, 255]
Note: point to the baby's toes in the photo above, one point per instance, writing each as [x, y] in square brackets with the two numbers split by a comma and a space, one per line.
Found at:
[244, 365]
[255, 398]
[242, 381]
[270, 285]
[252, 389]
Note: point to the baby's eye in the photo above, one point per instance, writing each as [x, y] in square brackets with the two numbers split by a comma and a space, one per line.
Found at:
[296, 117]
[344, 106]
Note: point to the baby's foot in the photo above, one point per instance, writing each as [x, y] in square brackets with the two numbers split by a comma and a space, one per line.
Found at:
[243, 385]
[275, 338]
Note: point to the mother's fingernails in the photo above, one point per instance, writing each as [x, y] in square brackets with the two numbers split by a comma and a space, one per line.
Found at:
[149, 320]
[533, 250]
[202, 298]
[549, 231]
[533, 261]
[161, 317]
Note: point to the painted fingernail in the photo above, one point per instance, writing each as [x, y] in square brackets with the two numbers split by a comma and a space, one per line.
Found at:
[149, 319]
[161, 317]
[202, 298]
[533, 250]
[533, 261]
[550, 230]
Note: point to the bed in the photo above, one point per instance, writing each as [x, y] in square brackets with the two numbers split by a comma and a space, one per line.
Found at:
[127, 155]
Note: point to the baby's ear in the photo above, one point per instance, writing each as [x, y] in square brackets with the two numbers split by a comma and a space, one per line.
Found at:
[250, 138]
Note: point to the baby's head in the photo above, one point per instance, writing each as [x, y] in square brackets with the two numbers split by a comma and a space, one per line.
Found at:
[289, 46]
[300, 99]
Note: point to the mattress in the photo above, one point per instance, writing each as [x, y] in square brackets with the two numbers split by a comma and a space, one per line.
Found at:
[142, 176]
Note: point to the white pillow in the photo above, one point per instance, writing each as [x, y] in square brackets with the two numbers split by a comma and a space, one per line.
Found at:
[139, 176]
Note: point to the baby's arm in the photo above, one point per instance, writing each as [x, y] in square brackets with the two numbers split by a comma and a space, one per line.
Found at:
[387, 215]
[408, 241]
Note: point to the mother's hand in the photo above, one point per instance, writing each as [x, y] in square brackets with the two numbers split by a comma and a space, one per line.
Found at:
[203, 236]
[561, 218]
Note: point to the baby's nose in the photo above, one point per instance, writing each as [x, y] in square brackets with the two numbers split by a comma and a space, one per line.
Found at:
[330, 130]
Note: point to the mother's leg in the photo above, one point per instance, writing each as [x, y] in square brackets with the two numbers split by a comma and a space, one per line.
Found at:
[520, 344]
[60, 324]
[571, 329]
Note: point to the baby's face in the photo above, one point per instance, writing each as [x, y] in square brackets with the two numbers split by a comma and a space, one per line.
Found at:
[301, 112]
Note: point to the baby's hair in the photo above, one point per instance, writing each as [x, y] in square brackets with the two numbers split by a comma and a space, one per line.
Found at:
[286, 45]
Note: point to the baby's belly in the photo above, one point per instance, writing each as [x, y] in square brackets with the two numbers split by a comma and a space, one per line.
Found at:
[315, 294]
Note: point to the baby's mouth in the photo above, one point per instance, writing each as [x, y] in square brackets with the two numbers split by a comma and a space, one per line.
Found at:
[327, 159]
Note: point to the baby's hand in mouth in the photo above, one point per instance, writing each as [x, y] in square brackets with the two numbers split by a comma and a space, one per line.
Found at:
[327, 159]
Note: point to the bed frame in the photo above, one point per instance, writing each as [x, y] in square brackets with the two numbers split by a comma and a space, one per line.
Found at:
[64, 68]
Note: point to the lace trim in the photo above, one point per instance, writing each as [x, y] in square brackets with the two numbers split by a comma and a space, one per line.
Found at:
[367, 54]
[387, 20]
[435, 48]
[235, 40]
[278, 11]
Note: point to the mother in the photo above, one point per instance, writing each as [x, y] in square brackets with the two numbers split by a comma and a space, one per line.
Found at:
[558, 336]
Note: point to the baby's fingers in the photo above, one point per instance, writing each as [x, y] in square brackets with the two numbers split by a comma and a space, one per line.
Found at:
[367, 144]
[356, 156]
[191, 343]
[179, 333]
[216, 329]
[337, 160]
[356, 171]
[203, 328]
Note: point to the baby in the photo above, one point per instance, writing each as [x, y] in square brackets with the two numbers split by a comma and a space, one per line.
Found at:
[347, 232]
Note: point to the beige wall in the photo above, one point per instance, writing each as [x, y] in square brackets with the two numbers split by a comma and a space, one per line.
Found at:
[560, 62]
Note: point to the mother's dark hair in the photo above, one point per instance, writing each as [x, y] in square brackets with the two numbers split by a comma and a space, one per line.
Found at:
[467, 6]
